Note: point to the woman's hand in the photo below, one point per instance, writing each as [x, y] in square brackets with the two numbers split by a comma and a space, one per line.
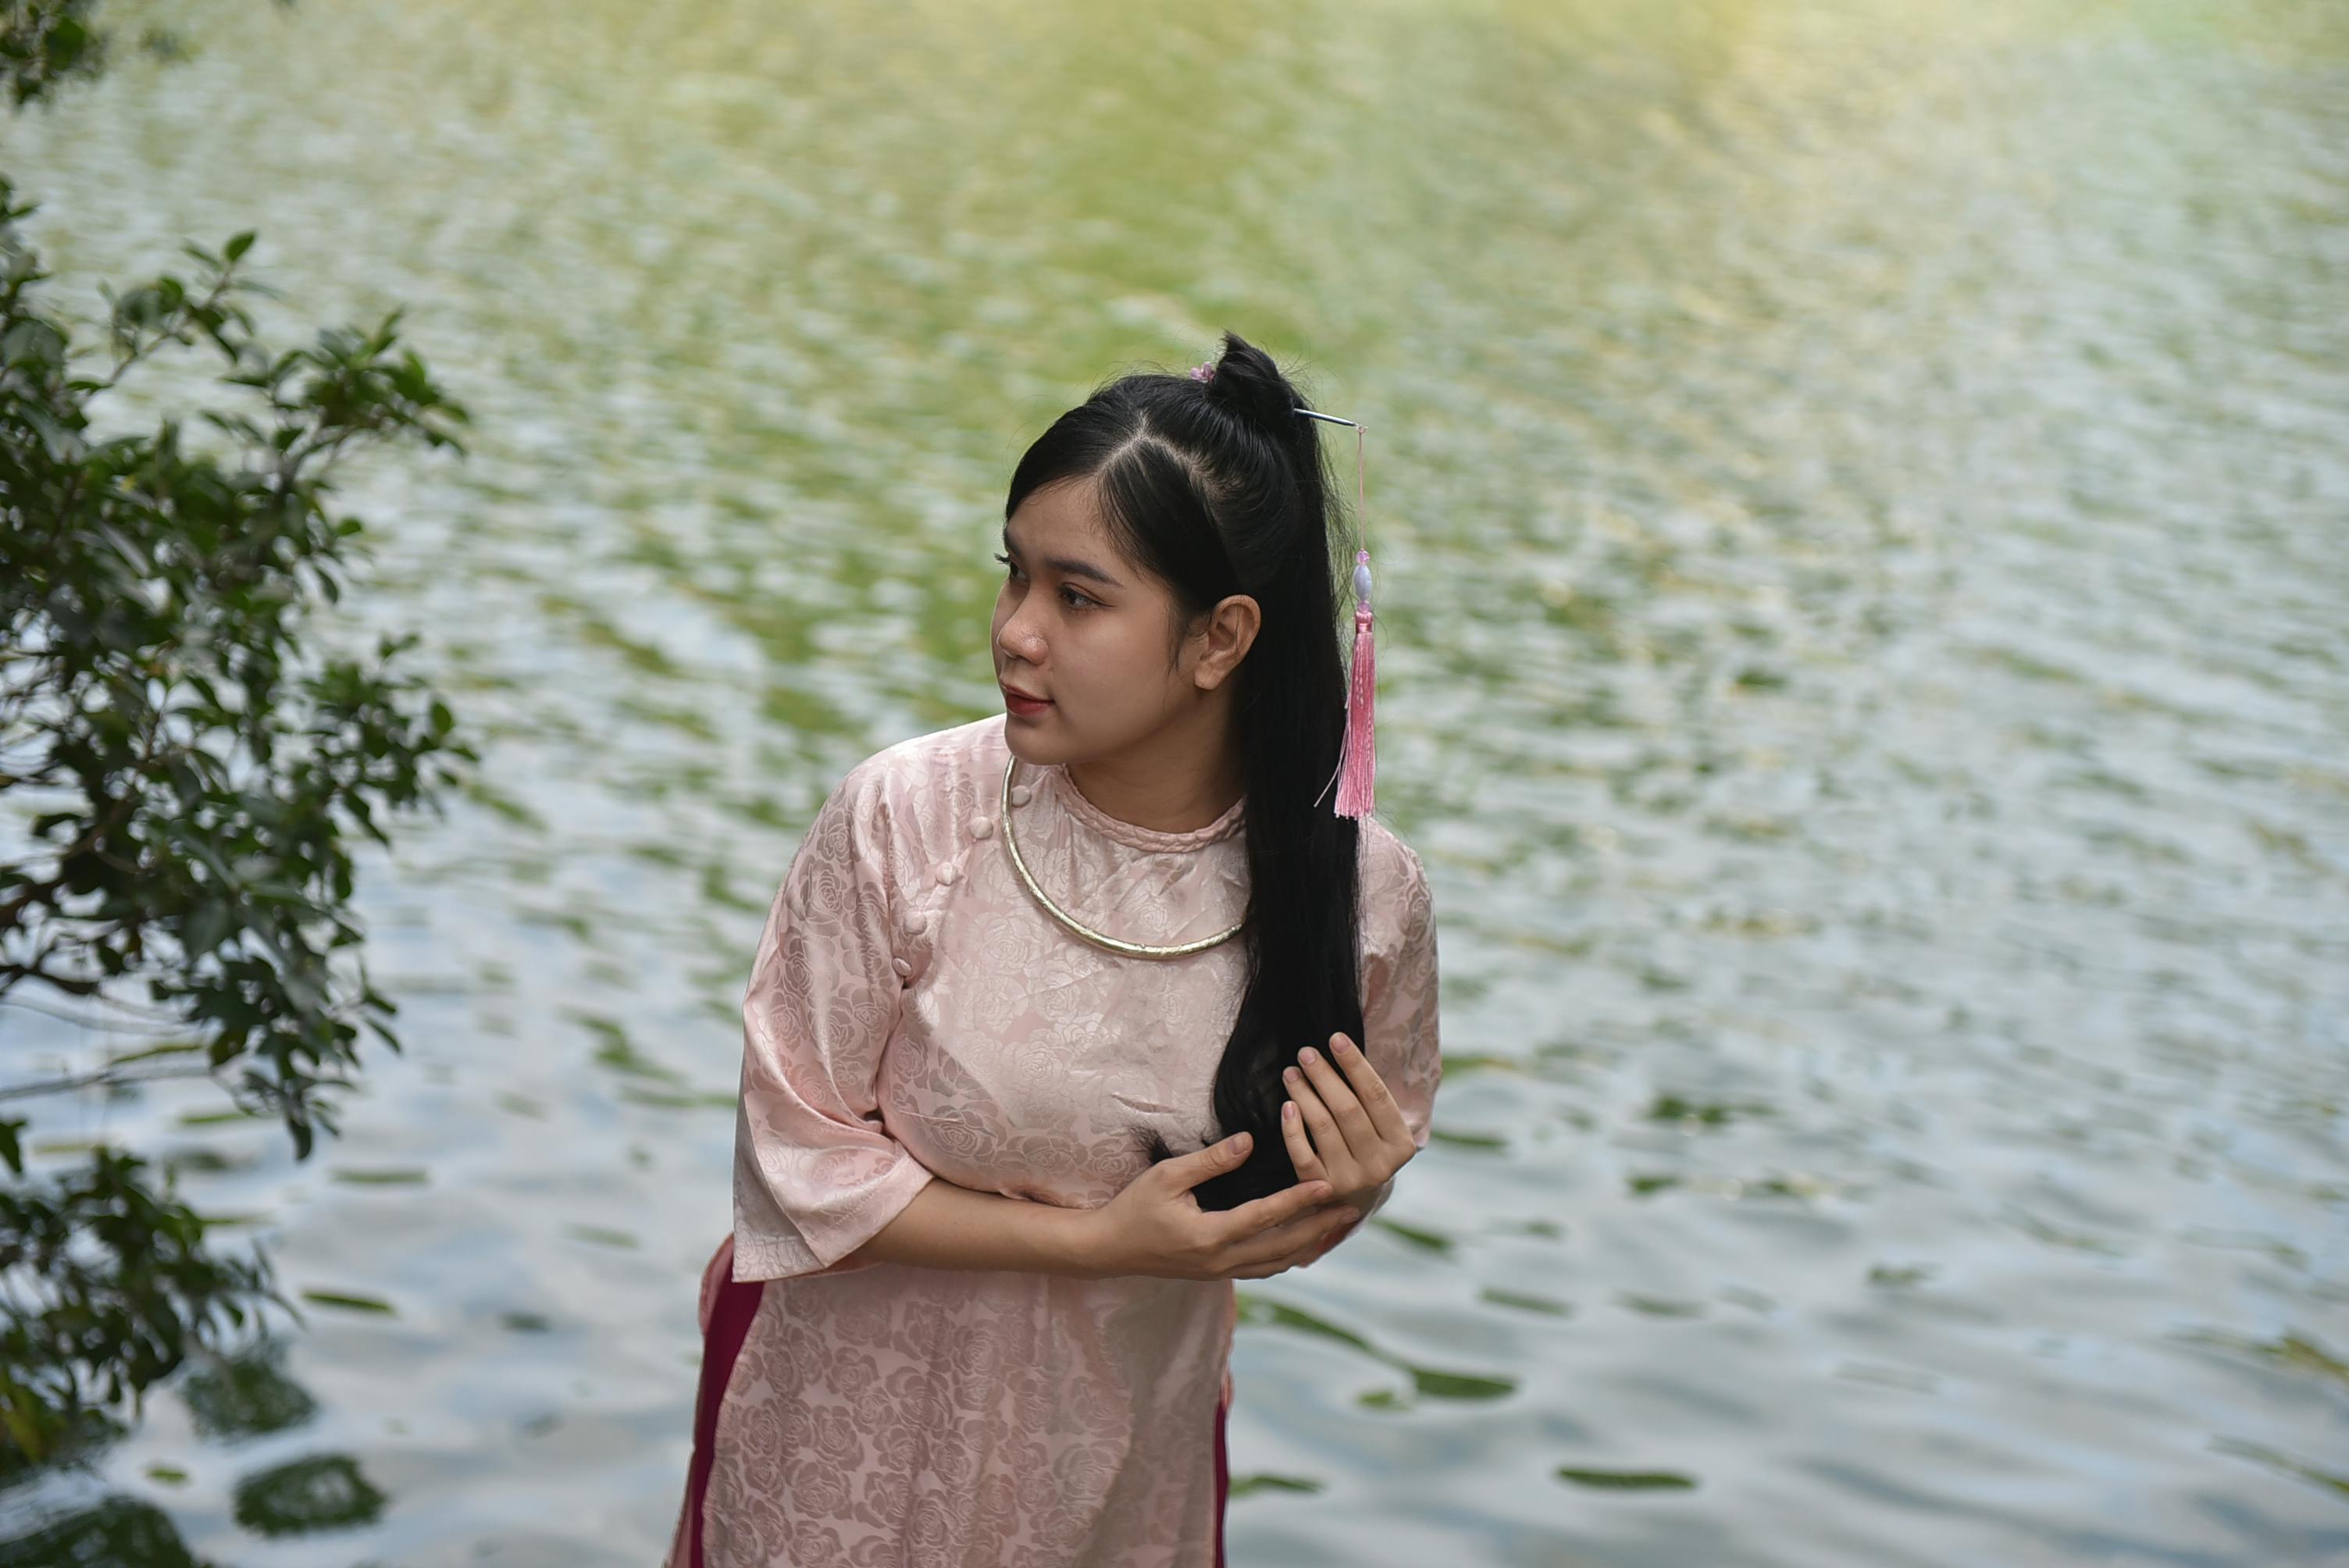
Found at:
[1347, 1131]
[1156, 1227]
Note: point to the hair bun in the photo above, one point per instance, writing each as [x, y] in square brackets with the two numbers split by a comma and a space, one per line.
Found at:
[1247, 381]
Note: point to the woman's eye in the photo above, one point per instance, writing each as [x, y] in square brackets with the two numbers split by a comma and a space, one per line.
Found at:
[1074, 600]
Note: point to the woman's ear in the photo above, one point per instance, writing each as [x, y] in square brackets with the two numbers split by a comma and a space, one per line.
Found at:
[1224, 642]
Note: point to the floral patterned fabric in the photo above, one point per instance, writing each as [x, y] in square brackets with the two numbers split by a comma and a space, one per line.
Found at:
[912, 1012]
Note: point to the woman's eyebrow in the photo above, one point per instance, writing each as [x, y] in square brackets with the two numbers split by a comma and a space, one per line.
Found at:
[1068, 568]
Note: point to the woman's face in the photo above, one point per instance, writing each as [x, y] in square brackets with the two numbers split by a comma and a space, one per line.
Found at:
[1079, 626]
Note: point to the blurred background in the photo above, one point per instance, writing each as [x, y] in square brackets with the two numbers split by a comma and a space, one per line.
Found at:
[1858, 491]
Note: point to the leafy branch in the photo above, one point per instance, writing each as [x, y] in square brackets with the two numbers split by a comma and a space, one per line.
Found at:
[190, 773]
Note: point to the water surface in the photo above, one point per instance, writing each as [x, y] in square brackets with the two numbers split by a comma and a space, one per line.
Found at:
[1859, 494]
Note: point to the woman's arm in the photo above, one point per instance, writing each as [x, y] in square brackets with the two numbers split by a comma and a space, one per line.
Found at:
[951, 1227]
[1154, 1227]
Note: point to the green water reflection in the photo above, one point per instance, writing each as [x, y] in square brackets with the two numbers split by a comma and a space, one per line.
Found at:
[1857, 491]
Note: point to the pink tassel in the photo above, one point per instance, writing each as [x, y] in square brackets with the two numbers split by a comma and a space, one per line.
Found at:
[1358, 767]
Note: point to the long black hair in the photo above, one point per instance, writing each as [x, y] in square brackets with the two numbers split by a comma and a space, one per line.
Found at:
[1218, 488]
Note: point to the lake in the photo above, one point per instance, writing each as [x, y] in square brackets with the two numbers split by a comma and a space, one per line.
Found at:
[1858, 493]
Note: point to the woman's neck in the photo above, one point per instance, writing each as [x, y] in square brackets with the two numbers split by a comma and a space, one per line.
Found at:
[1177, 780]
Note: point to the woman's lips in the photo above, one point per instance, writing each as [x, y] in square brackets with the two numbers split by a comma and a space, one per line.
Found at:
[1025, 706]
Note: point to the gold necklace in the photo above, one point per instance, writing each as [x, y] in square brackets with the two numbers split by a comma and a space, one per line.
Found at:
[1098, 938]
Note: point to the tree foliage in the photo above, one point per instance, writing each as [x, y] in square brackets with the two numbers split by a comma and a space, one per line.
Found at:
[187, 767]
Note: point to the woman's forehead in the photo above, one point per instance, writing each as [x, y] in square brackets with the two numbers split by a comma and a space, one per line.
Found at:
[1065, 512]
[1060, 525]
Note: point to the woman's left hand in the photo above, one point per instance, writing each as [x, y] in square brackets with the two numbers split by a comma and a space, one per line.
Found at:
[1357, 1137]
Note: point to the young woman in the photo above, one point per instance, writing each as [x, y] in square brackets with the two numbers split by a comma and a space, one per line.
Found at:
[976, 1309]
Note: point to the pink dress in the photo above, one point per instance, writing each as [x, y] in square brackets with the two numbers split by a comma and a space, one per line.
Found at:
[912, 1012]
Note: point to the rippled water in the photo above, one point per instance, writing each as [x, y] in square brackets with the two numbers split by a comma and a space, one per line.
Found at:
[1859, 495]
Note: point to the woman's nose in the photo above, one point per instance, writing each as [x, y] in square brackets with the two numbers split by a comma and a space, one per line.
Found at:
[1020, 641]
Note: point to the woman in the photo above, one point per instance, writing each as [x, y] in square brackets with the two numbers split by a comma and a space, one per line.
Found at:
[975, 1309]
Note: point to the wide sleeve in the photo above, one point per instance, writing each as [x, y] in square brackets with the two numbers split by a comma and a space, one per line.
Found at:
[815, 1174]
[1399, 1029]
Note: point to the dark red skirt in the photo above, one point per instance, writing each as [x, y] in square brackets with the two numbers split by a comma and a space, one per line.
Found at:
[727, 1306]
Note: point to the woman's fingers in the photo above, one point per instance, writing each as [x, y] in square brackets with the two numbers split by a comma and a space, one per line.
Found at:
[1300, 1148]
[1258, 1214]
[1354, 1122]
[1309, 1252]
[1286, 1245]
[1337, 1160]
[1369, 1088]
[1187, 1171]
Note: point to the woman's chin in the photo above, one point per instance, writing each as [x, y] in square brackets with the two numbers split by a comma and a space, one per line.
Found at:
[1025, 740]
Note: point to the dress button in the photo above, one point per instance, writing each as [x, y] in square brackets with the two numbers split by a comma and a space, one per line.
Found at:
[946, 874]
[901, 966]
[1020, 794]
[918, 923]
[980, 827]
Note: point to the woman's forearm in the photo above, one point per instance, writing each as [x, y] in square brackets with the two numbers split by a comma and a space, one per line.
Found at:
[951, 1227]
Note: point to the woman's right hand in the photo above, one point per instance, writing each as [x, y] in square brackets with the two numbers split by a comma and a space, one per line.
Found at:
[1156, 1227]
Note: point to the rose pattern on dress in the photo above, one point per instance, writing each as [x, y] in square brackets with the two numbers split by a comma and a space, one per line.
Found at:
[912, 1014]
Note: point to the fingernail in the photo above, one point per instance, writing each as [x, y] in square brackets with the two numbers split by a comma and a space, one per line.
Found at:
[1289, 1075]
[1307, 1056]
[1340, 1044]
[1240, 1141]
[1288, 1110]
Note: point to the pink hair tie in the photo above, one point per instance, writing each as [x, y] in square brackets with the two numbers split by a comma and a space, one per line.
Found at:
[1202, 372]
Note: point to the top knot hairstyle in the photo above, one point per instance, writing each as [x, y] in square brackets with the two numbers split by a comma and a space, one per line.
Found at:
[1214, 485]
